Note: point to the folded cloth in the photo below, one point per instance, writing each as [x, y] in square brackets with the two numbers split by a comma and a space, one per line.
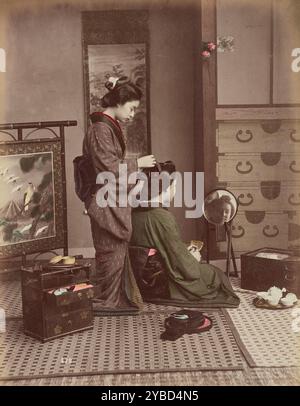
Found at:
[185, 322]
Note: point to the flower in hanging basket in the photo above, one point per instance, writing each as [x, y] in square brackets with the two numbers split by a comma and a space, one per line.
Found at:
[211, 46]
[207, 49]
[205, 54]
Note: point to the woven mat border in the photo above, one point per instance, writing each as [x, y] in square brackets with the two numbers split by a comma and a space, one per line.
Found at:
[237, 337]
[145, 371]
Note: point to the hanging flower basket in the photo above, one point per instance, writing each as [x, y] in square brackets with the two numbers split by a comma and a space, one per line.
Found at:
[224, 44]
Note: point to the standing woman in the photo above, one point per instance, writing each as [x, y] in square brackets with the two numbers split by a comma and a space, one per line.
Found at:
[111, 226]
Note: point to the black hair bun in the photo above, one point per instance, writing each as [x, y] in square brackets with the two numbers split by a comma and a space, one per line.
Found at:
[109, 85]
[167, 166]
[123, 80]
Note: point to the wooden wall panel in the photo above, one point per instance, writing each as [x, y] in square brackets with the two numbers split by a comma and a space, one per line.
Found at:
[286, 38]
[244, 74]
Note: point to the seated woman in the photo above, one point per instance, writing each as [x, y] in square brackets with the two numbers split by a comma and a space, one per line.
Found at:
[190, 283]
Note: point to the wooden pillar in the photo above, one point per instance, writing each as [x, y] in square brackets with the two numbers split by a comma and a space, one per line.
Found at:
[205, 105]
[209, 95]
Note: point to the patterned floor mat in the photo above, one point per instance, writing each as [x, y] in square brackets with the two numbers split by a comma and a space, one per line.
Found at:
[127, 344]
[11, 298]
[267, 337]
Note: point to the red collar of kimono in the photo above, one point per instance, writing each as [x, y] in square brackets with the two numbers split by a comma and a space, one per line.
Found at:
[98, 115]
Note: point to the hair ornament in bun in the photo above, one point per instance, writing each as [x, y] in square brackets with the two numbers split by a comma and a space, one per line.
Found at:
[114, 82]
[111, 82]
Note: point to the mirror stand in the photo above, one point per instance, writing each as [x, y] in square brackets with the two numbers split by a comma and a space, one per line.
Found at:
[229, 252]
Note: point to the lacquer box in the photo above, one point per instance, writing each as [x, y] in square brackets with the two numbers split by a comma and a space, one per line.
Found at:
[57, 300]
[267, 267]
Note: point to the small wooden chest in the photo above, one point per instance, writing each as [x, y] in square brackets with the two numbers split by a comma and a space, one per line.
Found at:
[56, 300]
[278, 268]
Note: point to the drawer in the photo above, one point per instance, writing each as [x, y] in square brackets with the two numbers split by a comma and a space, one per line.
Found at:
[252, 136]
[79, 296]
[252, 230]
[68, 322]
[267, 196]
[257, 167]
[63, 278]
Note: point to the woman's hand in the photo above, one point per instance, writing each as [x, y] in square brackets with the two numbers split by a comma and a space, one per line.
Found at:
[147, 161]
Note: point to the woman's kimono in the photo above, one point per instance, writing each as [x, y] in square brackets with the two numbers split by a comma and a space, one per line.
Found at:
[111, 226]
[190, 282]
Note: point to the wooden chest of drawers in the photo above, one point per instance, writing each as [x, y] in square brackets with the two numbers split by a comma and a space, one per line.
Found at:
[259, 162]
[56, 300]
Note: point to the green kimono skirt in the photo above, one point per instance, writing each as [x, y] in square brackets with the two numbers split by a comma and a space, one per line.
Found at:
[190, 282]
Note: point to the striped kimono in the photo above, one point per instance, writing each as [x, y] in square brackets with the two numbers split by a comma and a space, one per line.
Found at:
[111, 226]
